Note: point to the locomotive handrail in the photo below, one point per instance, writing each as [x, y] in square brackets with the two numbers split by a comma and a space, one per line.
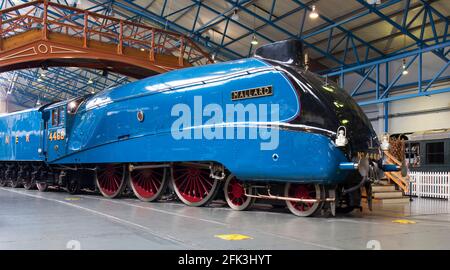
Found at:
[391, 157]
[396, 177]
[50, 18]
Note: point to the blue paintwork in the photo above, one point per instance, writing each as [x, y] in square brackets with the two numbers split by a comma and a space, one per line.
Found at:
[390, 168]
[347, 166]
[105, 128]
[20, 124]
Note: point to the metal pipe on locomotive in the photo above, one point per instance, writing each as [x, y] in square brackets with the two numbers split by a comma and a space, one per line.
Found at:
[145, 137]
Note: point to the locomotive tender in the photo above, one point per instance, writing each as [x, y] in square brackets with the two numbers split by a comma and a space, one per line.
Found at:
[136, 136]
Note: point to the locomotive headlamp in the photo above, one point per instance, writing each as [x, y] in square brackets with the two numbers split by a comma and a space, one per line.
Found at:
[385, 142]
[341, 139]
[72, 105]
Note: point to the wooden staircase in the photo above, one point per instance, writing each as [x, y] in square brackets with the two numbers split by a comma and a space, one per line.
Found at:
[396, 177]
[392, 188]
[387, 193]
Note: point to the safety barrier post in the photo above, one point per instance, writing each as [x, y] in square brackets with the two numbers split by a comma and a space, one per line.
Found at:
[410, 186]
[418, 183]
[448, 185]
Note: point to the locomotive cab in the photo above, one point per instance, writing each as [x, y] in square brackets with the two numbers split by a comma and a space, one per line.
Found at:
[55, 132]
[58, 118]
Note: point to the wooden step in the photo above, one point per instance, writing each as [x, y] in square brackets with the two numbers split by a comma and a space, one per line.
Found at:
[388, 195]
[392, 200]
[383, 188]
[383, 182]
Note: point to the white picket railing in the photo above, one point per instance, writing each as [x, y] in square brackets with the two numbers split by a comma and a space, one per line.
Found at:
[430, 184]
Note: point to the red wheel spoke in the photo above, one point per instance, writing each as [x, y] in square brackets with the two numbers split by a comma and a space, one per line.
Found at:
[202, 186]
[196, 192]
[183, 176]
[187, 185]
[207, 180]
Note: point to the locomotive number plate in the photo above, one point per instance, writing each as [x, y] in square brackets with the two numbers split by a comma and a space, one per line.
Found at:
[56, 135]
[374, 156]
[252, 93]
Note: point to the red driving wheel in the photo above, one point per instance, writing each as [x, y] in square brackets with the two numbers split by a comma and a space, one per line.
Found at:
[110, 179]
[193, 185]
[148, 184]
[303, 191]
[235, 194]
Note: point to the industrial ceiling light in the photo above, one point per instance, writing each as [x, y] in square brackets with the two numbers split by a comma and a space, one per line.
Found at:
[405, 70]
[314, 14]
[235, 16]
[254, 40]
[90, 81]
[373, 2]
[39, 80]
[38, 102]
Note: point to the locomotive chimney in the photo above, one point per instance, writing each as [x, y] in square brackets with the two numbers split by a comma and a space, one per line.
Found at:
[288, 52]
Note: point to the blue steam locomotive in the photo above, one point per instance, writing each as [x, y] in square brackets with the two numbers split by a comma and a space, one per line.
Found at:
[257, 128]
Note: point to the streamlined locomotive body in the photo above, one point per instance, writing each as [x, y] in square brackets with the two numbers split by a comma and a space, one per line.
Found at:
[257, 128]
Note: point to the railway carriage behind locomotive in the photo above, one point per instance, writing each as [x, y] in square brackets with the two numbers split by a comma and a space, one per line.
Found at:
[124, 138]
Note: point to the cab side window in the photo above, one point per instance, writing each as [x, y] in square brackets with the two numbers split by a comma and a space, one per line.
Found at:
[56, 117]
[435, 152]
